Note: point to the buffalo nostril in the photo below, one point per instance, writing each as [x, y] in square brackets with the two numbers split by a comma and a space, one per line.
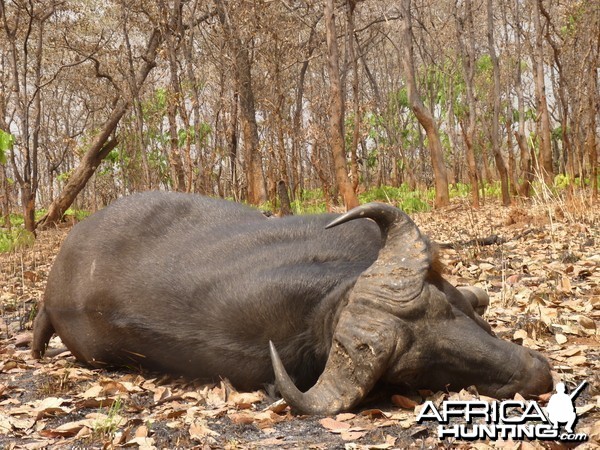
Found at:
[537, 378]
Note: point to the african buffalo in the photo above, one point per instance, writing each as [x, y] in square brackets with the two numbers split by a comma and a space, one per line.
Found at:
[207, 288]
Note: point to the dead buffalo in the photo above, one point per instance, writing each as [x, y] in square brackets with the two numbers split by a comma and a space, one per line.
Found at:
[206, 288]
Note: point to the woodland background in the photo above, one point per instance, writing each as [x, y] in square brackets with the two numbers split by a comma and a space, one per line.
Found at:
[335, 102]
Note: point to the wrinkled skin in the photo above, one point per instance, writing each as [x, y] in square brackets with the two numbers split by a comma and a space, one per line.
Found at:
[189, 285]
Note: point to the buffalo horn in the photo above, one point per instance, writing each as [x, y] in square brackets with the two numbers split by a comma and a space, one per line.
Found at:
[364, 338]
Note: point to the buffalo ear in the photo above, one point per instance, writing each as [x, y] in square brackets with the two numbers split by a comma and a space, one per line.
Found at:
[478, 298]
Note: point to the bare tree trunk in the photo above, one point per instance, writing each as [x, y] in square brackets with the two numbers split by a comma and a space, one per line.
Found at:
[101, 146]
[350, 6]
[28, 105]
[315, 159]
[257, 193]
[137, 103]
[285, 208]
[545, 158]
[468, 68]
[336, 104]
[525, 154]
[175, 161]
[593, 107]
[512, 164]
[199, 135]
[500, 165]
[297, 183]
[562, 95]
[171, 20]
[485, 160]
[232, 144]
[424, 116]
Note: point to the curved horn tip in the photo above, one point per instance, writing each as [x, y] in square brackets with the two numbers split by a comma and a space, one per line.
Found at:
[372, 210]
[284, 383]
[298, 401]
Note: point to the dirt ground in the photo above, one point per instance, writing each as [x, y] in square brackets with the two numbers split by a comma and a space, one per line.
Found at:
[542, 274]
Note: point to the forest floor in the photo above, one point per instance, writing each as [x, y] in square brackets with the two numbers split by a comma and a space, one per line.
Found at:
[543, 278]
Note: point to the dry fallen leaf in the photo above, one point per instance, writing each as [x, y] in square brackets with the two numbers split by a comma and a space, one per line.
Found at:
[199, 430]
[352, 435]
[278, 407]
[244, 400]
[586, 322]
[142, 443]
[161, 393]
[335, 426]
[343, 417]
[69, 428]
[51, 406]
[403, 402]
[374, 413]
[241, 418]
[560, 338]
[520, 335]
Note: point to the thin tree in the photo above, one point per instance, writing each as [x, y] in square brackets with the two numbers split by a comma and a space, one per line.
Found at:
[467, 53]
[500, 165]
[525, 152]
[350, 38]
[424, 116]
[171, 21]
[26, 59]
[257, 193]
[336, 113]
[545, 157]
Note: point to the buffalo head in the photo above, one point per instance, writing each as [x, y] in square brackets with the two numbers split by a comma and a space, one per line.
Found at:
[404, 324]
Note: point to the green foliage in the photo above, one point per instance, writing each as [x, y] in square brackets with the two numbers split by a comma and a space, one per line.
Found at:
[372, 157]
[407, 200]
[371, 126]
[7, 140]
[528, 114]
[460, 190]
[155, 105]
[79, 214]
[445, 141]
[15, 238]
[158, 160]
[310, 201]
[463, 190]
[561, 181]
[107, 426]
[185, 135]
[492, 190]
[267, 206]
[64, 176]
[484, 66]
[557, 133]
[398, 100]
[16, 220]
[113, 156]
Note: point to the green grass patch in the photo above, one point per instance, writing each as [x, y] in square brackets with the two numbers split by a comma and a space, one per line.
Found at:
[15, 238]
[405, 199]
[79, 214]
[310, 201]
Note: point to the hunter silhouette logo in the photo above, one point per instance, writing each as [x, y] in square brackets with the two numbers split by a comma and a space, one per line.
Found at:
[561, 407]
[508, 419]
